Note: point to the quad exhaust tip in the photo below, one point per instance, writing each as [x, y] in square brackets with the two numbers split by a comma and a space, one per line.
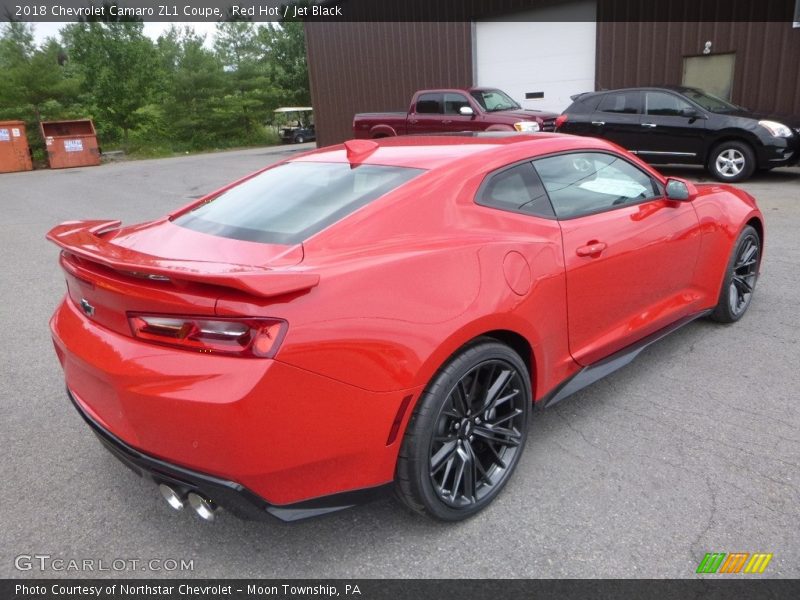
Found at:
[204, 507]
[175, 499]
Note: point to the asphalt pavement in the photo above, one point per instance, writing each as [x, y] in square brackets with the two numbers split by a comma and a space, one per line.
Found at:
[693, 448]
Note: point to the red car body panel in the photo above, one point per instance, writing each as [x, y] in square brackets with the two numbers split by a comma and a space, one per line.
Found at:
[625, 294]
[375, 304]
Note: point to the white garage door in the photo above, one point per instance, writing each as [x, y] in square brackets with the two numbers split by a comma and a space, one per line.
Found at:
[537, 53]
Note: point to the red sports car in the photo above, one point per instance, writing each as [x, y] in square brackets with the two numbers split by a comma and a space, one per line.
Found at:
[384, 313]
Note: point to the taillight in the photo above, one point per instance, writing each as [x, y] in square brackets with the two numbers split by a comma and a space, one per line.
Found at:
[560, 120]
[257, 338]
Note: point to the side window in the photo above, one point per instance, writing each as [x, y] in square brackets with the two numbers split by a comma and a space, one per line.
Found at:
[667, 105]
[429, 104]
[516, 189]
[622, 102]
[453, 103]
[590, 103]
[589, 182]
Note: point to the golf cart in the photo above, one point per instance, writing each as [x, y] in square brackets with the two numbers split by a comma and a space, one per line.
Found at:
[298, 126]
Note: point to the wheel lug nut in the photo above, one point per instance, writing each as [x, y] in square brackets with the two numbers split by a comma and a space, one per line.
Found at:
[472, 437]
[458, 425]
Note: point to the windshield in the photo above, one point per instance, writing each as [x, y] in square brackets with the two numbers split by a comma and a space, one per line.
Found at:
[494, 100]
[293, 201]
[709, 101]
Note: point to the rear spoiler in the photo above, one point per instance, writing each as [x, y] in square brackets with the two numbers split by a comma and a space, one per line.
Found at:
[577, 96]
[83, 239]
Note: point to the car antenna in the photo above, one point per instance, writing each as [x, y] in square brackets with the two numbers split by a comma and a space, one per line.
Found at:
[358, 150]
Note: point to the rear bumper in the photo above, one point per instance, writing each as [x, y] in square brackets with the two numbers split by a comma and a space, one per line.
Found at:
[285, 434]
[232, 496]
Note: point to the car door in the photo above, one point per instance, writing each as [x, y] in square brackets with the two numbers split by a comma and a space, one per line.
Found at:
[453, 119]
[618, 118]
[629, 253]
[672, 130]
[426, 116]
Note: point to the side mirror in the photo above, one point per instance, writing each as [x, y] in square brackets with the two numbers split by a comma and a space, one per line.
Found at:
[692, 113]
[678, 189]
[466, 111]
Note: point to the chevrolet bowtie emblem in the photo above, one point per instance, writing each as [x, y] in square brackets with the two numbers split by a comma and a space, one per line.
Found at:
[88, 309]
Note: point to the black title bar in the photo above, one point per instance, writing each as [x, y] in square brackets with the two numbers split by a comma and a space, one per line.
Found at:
[371, 589]
[783, 11]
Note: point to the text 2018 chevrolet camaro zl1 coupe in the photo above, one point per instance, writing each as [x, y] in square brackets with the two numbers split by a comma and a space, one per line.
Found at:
[384, 312]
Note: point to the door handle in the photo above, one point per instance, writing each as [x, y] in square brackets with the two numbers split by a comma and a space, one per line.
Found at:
[412, 121]
[593, 249]
[447, 122]
[649, 125]
[598, 122]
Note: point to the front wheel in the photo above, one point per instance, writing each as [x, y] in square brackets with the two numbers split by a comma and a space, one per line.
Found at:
[732, 161]
[467, 433]
[740, 278]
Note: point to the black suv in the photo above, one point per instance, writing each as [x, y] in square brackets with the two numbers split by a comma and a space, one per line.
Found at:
[685, 125]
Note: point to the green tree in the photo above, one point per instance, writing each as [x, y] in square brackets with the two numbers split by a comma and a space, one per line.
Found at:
[119, 68]
[197, 87]
[251, 92]
[175, 94]
[32, 76]
[288, 57]
[35, 84]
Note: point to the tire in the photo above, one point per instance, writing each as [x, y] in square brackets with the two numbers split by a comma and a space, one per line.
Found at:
[299, 139]
[732, 161]
[740, 278]
[457, 454]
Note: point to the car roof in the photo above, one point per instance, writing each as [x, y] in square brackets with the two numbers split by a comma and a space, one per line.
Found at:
[432, 151]
[466, 90]
[674, 88]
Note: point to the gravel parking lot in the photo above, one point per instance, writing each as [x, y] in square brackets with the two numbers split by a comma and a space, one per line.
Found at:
[693, 448]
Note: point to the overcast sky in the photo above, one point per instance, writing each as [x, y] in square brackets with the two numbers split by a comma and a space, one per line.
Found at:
[153, 29]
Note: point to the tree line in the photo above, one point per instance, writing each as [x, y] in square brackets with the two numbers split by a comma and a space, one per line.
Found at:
[148, 97]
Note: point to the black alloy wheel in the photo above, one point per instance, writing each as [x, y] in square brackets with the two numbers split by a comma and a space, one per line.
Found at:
[467, 433]
[740, 278]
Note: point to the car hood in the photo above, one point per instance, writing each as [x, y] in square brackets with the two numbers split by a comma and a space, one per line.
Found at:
[524, 114]
[792, 121]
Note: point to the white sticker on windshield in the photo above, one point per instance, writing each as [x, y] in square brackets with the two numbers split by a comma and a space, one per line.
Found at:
[615, 187]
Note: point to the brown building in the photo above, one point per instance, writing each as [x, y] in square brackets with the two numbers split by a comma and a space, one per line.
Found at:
[541, 52]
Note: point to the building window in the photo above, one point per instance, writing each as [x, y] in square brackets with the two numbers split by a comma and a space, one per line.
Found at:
[796, 14]
[711, 73]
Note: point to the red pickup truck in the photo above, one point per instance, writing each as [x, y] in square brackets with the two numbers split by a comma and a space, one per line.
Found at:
[449, 110]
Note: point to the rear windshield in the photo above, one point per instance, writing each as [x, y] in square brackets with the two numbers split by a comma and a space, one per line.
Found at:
[293, 201]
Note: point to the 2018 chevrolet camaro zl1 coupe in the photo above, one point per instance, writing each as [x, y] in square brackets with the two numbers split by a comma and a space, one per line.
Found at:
[384, 313]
